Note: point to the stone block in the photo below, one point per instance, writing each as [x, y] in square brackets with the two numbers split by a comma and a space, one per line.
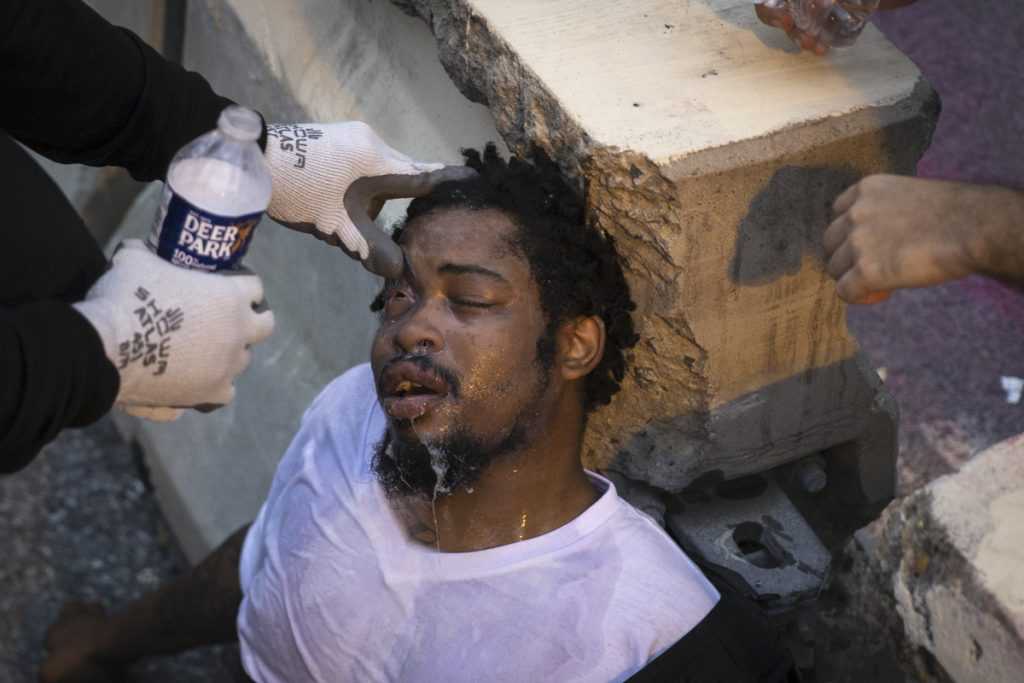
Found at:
[712, 153]
[957, 548]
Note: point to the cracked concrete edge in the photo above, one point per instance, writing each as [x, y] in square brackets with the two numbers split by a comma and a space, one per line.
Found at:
[637, 201]
[486, 70]
[943, 594]
[628, 196]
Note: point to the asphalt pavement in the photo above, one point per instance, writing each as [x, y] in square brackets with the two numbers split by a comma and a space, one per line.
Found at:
[80, 523]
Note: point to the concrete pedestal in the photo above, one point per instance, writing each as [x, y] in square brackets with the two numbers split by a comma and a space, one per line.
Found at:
[712, 153]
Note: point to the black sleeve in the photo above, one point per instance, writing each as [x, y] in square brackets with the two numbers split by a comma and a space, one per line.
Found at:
[54, 372]
[734, 643]
[80, 90]
[55, 375]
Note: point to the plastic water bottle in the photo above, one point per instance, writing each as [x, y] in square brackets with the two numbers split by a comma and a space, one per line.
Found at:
[836, 23]
[217, 188]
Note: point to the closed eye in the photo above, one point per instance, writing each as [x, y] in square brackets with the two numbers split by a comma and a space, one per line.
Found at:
[472, 304]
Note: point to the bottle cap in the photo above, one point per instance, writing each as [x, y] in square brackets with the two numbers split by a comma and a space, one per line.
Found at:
[240, 123]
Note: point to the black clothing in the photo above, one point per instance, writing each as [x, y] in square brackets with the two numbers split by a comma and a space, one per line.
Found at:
[53, 370]
[80, 90]
[734, 643]
[77, 90]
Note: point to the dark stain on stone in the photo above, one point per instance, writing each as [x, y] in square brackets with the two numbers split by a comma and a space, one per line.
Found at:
[712, 72]
[634, 172]
[976, 650]
[785, 220]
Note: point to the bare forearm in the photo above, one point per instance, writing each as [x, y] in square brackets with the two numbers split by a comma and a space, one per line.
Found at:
[194, 610]
[1000, 249]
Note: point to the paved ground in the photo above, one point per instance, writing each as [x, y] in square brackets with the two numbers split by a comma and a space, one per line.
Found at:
[946, 348]
[81, 524]
[944, 351]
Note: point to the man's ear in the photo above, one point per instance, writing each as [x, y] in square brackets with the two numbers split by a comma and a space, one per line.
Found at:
[580, 346]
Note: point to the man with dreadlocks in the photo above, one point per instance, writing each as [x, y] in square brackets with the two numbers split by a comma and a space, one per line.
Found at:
[431, 520]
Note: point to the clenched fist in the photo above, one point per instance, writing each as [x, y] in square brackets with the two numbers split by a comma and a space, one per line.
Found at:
[893, 232]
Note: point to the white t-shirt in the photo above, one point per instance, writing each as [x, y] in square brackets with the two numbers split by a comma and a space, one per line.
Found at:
[335, 591]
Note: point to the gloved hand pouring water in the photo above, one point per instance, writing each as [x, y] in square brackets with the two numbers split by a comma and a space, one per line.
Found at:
[180, 337]
[79, 334]
[177, 337]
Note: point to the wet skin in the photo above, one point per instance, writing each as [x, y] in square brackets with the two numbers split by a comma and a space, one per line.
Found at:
[468, 304]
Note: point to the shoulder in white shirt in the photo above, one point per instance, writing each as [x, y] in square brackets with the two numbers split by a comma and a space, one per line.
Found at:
[335, 590]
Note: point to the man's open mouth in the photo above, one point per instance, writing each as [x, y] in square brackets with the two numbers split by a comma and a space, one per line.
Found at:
[408, 391]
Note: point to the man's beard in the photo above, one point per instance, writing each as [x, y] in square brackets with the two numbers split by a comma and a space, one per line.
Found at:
[438, 468]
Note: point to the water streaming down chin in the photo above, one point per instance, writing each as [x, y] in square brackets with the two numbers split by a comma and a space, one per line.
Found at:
[438, 463]
[456, 459]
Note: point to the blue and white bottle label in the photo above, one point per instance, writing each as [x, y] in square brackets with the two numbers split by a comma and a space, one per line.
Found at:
[188, 236]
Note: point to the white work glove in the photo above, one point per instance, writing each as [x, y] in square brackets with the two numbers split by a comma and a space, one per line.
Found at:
[313, 165]
[178, 337]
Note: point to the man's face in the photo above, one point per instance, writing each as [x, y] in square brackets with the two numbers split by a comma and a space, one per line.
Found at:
[455, 358]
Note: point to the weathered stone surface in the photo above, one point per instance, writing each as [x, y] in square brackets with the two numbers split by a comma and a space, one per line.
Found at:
[931, 591]
[712, 157]
[959, 545]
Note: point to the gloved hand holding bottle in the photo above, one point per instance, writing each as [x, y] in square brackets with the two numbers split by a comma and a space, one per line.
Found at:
[177, 319]
[177, 337]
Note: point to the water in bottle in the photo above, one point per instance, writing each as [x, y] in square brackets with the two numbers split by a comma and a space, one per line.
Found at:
[217, 188]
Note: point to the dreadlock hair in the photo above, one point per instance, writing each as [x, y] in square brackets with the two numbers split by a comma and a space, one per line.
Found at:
[576, 267]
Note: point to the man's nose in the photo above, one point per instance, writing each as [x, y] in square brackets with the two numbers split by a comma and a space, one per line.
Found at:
[420, 331]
